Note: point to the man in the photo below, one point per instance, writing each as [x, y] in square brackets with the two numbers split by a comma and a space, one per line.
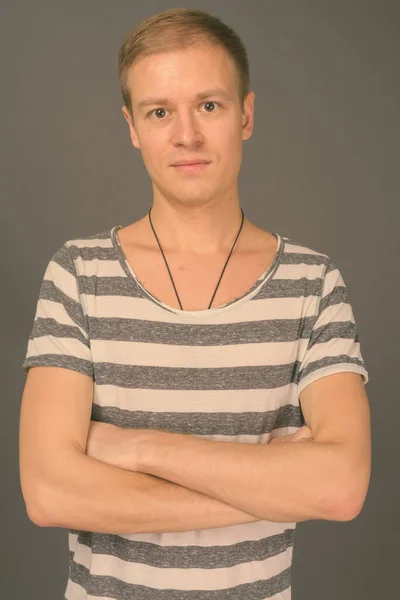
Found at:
[169, 352]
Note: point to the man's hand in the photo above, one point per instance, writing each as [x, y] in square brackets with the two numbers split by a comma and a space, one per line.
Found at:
[304, 434]
[123, 448]
[116, 446]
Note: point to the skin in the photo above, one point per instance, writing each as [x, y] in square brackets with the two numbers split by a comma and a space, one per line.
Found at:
[123, 448]
[193, 214]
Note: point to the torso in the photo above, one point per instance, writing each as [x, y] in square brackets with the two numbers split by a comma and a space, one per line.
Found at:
[196, 278]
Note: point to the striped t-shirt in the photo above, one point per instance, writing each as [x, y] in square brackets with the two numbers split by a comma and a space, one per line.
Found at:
[231, 373]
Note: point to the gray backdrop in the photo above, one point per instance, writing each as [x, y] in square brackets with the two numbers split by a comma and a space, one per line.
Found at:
[322, 166]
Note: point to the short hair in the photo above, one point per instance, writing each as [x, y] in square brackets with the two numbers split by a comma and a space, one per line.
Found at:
[178, 29]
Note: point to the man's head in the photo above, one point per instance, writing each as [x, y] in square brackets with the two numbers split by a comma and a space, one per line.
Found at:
[166, 65]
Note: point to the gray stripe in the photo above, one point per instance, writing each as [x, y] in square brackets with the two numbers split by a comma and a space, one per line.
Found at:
[346, 330]
[327, 361]
[59, 360]
[93, 252]
[290, 288]
[339, 292]
[114, 252]
[331, 266]
[48, 326]
[336, 296]
[297, 258]
[63, 258]
[276, 288]
[110, 286]
[103, 235]
[99, 585]
[189, 334]
[188, 557]
[202, 423]
[182, 378]
[48, 291]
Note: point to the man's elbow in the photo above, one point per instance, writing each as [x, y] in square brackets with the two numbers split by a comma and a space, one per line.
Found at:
[38, 513]
[352, 488]
[44, 496]
[43, 487]
[348, 486]
[351, 502]
[37, 518]
[347, 510]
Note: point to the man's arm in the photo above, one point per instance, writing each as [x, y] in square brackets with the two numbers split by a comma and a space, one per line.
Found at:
[62, 487]
[277, 482]
[93, 496]
[282, 482]
[326, 478]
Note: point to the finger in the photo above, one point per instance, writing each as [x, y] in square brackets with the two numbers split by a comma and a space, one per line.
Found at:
[303, 433]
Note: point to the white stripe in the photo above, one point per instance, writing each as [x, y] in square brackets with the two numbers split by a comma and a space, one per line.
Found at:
[296, 248]
[48, 344]
[197, 357]
[76, 592]
[94, 243]
[334, 347]
[332, 279]
[102, 268]
[331, 370]
[336, 313]
[130, 307]
[201, 401]
[292, 272]
[112, 268]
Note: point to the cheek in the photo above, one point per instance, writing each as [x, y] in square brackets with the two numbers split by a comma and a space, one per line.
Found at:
[230, 143]
[153, 151]
[230, 137]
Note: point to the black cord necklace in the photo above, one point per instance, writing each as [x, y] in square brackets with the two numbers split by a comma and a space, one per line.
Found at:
[241, 225]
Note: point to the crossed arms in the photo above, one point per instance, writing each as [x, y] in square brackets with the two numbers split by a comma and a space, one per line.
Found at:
[137, 481]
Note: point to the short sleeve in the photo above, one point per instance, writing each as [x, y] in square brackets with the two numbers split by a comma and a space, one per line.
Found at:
[334, 344]
[60, 337]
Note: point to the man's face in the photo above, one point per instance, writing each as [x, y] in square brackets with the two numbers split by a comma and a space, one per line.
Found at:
[175, 125]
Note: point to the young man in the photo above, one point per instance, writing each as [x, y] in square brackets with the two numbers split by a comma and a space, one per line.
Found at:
[170, 351]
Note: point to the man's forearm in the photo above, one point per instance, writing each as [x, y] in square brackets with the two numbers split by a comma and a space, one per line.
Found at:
[90, 495]
[283, 482]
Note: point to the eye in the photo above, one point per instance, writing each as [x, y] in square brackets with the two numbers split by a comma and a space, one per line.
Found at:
[155, 111]
[211, 102]
[158, 110]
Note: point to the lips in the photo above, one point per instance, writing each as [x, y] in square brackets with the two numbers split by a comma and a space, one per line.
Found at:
[190, 162]
[192, 168]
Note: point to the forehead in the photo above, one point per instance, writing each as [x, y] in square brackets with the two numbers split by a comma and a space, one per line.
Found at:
[183, 74]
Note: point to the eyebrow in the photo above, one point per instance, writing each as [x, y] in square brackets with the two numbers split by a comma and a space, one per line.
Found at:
[200, 96]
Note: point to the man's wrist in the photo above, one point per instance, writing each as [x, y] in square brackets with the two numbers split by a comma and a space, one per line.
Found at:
[136, 448]
[145, 443]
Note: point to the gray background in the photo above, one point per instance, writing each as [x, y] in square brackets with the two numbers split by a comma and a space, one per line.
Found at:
[321, 166]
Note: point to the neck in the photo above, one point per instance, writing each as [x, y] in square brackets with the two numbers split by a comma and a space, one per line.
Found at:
[197, 230]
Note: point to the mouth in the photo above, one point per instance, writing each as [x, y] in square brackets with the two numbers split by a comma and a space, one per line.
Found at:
[192, 168]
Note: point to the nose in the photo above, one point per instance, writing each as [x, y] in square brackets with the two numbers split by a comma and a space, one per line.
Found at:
[186, 129]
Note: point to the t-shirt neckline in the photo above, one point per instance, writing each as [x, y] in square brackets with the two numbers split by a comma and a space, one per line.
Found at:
[132, 277]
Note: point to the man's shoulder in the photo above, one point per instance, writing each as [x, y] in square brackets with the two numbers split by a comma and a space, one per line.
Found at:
[87, 246]
[295, 248]
[89, 238]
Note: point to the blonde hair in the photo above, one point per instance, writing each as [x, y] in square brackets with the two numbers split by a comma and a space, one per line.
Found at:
[177, 29]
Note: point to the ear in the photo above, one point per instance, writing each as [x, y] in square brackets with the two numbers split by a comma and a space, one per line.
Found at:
[132, 130]
[248, 115]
